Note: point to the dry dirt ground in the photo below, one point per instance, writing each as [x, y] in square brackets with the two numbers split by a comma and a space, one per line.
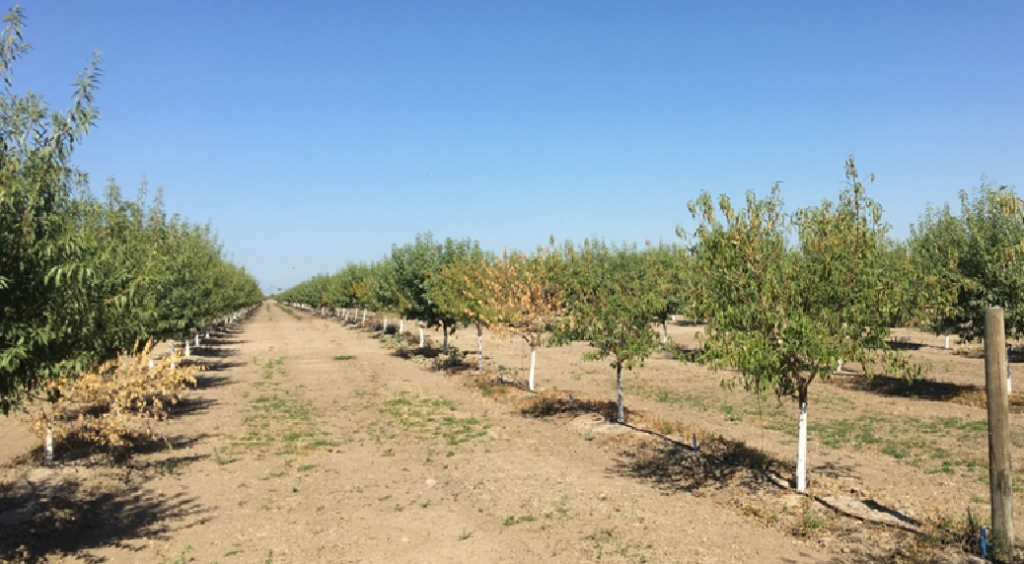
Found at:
[309, 441]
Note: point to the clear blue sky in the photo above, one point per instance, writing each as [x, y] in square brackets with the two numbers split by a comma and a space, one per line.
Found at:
[316, 133]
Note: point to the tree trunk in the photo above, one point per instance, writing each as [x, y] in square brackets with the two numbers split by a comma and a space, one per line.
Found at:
[48, 447]
[480, 347]
[1009, 383]
[364, 316]
[801, 449]
[444, 341]
[664, 329]
[401, 326]
[622, 399]
[385, 326]
[533, 365]
[947, 342]
[421, 337]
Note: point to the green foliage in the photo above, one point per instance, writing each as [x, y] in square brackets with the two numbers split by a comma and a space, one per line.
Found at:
[457, 289]
[82, 279]
[414, 264]
[613, 295]
[783, 314]
[978, 257]
[668, 268]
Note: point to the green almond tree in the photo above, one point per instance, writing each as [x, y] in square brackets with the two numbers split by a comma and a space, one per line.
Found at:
[667, 266]
[413, 265]
[614, 295]
[81, 279]
[783, 313]
[37, 223]
[979, 255]
[459, 289]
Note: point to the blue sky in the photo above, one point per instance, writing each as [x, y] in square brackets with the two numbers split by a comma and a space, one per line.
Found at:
[316, 133]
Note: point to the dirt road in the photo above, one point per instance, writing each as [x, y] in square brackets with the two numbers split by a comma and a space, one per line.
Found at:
[312, 443]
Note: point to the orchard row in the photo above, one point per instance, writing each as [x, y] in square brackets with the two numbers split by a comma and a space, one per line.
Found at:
[82, 279]
[787, 296]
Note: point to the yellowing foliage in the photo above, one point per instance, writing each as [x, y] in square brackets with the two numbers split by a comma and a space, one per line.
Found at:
[116, 404]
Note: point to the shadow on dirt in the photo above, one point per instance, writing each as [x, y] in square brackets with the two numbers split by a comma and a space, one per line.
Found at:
[904, 345]
[717, 463]
[52, 514]
[206, 381]
[189, 406]
[548, 406]
[220, 341]
[85, 453]
[898, 387]
[206, 352]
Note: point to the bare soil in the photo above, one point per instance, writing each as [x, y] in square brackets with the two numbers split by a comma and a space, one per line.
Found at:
[307, 441]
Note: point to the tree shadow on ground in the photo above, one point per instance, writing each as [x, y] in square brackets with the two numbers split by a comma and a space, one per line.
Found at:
[717, 463]
[918, 388]
[80, 452]
[206, 352]
[426, 352]
[220, 341]
[904, 345]
[207, 381]
[60, 515]
[550, 406]
[683, 352]
[189, 406]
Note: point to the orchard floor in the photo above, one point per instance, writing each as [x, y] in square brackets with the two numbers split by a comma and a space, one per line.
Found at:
[308, 441]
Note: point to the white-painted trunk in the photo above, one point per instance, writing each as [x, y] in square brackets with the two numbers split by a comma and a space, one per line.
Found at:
[533, 366]
[480, 352]
[839, 366]
[421, 337]
[364, 316]
[197, 340]
[947, 342]
[664, 331]
[188, 352]
[1009, 383]
[673, 319]
[48, 447]
[801, 451]
[385, 324]
[622, 398]
[346, 315]
[444, 342]
[401, 326]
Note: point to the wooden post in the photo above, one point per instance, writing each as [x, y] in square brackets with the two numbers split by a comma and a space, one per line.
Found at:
[998, 432]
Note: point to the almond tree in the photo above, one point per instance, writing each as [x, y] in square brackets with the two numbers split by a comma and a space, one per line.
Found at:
[667, 267]
[414, 264]
[979, 255]
[784, 313]
[613, 296]
[82, 279]
[460, 290]
[522, 298]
